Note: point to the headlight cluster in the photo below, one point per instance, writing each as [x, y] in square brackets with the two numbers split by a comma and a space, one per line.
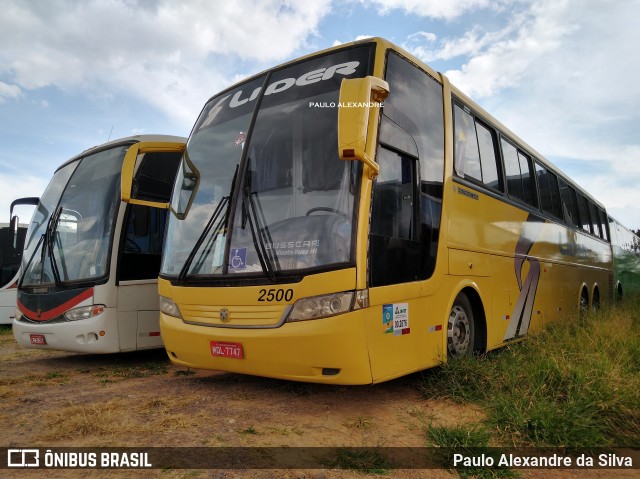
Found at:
[169, 307]
[327, 305]
[84, 312]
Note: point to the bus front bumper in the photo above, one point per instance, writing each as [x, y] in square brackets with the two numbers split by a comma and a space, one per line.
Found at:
[98, 334]
[329, 350]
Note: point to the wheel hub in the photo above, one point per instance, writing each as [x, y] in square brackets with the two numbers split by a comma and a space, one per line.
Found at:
[458, 332]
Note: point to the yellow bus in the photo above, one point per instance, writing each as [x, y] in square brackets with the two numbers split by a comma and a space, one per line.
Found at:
[351, 217]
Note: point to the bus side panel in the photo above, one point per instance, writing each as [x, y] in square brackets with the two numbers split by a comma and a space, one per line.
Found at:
[537, 267]
[148, 333]
[626, 251]
[404, 332]
[139, 315]
[7, 305]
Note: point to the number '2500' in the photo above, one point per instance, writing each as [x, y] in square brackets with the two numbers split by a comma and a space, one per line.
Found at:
[275, 295]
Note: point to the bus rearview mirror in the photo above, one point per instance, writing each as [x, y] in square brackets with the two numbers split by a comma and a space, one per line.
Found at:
[14, 220]
[359, 106]
[14, 230]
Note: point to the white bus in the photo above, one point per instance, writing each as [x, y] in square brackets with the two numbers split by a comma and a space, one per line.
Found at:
[88, 280]
[10, 255]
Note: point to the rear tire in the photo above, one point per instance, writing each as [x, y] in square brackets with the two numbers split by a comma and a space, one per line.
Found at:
[460, 328]
[584, 302]
[619, 294]
[595, 300]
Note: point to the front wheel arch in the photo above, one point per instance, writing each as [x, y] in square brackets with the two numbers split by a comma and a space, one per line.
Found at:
[470, 300]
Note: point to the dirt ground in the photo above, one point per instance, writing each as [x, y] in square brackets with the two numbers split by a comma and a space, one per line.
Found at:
[58, 399]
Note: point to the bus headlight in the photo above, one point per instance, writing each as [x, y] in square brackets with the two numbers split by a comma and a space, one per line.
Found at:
[327, 305]
[84, 312]
[169, 307]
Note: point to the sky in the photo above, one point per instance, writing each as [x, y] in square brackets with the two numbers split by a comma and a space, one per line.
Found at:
[564, 75]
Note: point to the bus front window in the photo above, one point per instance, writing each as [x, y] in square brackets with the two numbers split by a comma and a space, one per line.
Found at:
[71, 231]
[262, 190]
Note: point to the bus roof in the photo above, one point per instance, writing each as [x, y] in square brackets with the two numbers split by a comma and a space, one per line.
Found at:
[383, 45]
[122, 141]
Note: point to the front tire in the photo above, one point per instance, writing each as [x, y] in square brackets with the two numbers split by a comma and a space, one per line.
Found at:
[460, 328]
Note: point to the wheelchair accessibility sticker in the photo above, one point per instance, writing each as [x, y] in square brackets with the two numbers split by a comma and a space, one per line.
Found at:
[238, 259]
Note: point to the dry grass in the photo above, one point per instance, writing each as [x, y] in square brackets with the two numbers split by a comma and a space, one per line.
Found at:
[96, 420]
[361, 423]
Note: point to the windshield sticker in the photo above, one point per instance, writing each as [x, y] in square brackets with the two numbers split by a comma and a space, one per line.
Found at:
[294, 248]
[395, 319]
[238, 259]
[322, 74]
[240, 139]
[347, 68]
[218, 252]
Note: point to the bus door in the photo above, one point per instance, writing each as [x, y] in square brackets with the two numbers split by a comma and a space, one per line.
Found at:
[148, 174]
[396, 255]
[404, 329]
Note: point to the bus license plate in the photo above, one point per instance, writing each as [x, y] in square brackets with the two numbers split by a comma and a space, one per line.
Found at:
[227, 350]
[37, 339]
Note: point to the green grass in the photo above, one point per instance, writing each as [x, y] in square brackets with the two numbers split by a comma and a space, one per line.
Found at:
[470, 441]
[575, 384]
[367, 461]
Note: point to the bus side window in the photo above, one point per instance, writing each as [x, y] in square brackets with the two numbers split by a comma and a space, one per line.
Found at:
[569, 204]
[603, 223]
[528, 186]
[393, 196]
[512, 169]
[475, 150]
[467, 155]
[597, 227]
[395, 250]
[583, 206]
[488, 157]
[549, 193]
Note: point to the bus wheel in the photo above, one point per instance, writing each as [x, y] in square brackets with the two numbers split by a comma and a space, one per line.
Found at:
[619, 293]
[595, 301]
[460, 329]
[584, 302]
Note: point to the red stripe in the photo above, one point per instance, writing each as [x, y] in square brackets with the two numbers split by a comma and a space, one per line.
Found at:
[154, 333]
[55, 312]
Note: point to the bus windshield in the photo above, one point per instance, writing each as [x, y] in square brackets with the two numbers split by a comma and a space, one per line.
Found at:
[71, 230]
[261, 189]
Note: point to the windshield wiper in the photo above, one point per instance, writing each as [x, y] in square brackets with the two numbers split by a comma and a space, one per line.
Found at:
[49, 241]
[214, 223]
[260, 233]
